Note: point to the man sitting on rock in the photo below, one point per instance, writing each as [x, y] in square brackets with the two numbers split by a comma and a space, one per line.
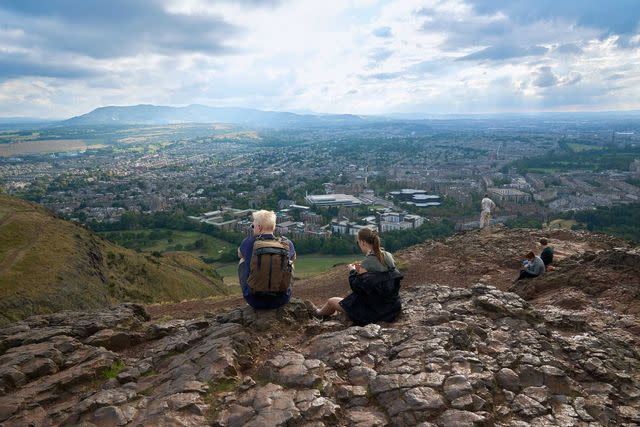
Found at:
[265, 270]
[547, 254]
[533, 267]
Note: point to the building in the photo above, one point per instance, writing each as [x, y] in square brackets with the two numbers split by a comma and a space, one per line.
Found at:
[511, 195]
[337, 200]
[419, 198]
[393, 221]
[349, 228]
[226, 218]
[309, 217]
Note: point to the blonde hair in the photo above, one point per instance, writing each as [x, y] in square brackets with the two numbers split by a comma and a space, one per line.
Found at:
[267, 219]
[371, 237]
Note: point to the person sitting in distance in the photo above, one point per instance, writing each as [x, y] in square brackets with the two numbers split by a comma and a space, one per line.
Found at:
[265, 270]
[532, 267]
[547, 254]
[375, 285]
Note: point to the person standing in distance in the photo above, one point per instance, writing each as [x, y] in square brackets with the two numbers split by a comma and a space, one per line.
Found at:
[486, 207]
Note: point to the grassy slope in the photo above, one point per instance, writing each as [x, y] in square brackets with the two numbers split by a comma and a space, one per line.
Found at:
[47, 265]
[213, 246]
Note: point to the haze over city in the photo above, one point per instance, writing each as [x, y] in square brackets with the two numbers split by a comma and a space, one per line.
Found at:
[62, 58]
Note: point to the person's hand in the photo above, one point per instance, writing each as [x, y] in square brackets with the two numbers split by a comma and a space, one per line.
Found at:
[360, 270]
[351, 267]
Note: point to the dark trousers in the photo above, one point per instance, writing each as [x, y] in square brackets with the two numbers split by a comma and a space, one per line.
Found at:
[524, 274]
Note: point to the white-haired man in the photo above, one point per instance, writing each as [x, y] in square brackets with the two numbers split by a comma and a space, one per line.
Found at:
[265, 270]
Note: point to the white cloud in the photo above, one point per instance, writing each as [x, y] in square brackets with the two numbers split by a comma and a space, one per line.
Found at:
[343, 56]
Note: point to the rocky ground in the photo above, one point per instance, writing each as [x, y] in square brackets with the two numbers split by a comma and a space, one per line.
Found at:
[457, 357]
[459, 261]
[469, 355]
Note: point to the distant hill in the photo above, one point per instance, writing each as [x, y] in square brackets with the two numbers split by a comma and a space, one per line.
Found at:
[48, 264]
[157, 115]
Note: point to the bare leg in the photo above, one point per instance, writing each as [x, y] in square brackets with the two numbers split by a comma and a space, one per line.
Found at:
[330, 307]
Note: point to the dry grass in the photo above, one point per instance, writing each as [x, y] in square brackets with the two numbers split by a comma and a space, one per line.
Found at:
[47, 265]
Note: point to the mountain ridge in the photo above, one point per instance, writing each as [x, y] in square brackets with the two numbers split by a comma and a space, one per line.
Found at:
[149, 114]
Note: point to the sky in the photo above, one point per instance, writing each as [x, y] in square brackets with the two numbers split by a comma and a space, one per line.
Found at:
[60, 58]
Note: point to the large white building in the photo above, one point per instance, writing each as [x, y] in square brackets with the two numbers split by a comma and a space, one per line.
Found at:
[509, 195]
[327, 200]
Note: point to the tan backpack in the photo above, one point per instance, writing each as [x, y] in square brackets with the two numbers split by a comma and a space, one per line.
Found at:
[271, 269]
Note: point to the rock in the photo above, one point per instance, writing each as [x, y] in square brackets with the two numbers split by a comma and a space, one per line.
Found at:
[629, 413]
[446, 361]
[508, 379]
[525, 405]
[579, 406]
[457, 418]
[556, 380]
[463, 402]
[530, 376]
[110, 416]
[456, 386]
[114, 339]
[366, 418]
[9, 405]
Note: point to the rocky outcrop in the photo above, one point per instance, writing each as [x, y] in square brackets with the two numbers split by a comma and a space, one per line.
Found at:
[611, 278]
[456, 357]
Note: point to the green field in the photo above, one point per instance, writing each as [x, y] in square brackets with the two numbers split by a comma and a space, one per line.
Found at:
[565, 224]
[165, 240]
[212, 249]
[577, 147]
[306, 266]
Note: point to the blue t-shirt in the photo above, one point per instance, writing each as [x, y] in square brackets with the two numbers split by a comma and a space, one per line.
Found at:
[246, 250]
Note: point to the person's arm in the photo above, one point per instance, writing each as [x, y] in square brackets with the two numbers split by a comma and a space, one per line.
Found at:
[536, 267]
[358, 284]
[292, 252]
[245, 248]
[531, 267]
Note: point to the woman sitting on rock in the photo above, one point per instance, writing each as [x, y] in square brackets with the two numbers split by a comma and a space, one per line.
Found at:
[375, 283]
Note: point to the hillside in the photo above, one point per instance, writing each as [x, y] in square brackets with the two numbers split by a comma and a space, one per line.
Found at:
[48, 265]
[461, 260]
[158, 114]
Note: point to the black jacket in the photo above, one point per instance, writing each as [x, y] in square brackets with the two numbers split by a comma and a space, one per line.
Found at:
[375, 297]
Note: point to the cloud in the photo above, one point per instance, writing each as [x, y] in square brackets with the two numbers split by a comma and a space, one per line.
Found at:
[568, 49]
[116, 28]
[502, 52]
[571, 79]
[621, 16]
[19, 65]
[383, 32]
[379, 55]
[544, 77]
[364, 56]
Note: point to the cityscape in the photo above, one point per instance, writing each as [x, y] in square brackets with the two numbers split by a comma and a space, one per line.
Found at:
[325, 181]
